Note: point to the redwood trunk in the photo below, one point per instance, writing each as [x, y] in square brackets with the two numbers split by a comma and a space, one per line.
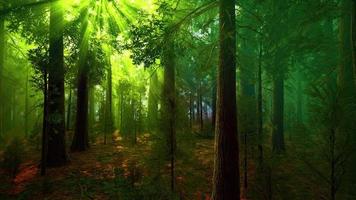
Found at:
[226, 185]
[56, 155]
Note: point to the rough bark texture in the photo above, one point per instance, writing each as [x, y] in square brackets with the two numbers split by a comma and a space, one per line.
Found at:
[226, 181]
[278, 111]
[169, 103]
[57, 155]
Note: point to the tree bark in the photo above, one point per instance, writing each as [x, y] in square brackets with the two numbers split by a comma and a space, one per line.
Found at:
[57, 155]
[44, 149]
[170, 106]
[109, 119]
[153, 102]
[69, 109]
[226, 185]
[346, 73]
[81, 138]
[2, 63]
[26, 102]
[259, 107]
[278, 112]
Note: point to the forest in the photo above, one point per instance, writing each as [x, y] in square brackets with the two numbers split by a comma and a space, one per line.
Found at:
[177, 99]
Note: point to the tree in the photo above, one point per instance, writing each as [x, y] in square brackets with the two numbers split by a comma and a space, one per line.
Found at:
[169, 104]
[226, 179]
[80, 140]
[2, 62]
[57, 155]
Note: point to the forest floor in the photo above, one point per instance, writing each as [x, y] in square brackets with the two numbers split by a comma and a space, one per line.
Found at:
[94, 174]
[123, 170]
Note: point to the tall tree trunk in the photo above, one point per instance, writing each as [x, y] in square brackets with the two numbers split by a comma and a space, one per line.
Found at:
[346, 76]
[299, 98]
[109, 119]
[170, 106]
[2, 65]
[259, 107]
[69, 109]
[44, 149]
[346, 73]
[153, 102]
[91, 108]
[226, 181]
[57, 155]
[81, 139]
[190, 111]
[278, 112]
[353, 17]
[26, 102]
[201, 119]
[213, 103]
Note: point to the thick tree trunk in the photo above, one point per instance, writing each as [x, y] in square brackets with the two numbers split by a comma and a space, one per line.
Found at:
[170, 106]
[226, 185]
[278, 112]
[57, 155]
[81, 140]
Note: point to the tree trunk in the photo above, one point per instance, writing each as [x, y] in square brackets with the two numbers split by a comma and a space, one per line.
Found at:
[109, 119]
[26, 102]
[81, 140]
[226, 182]
[2, 65]
[346, 73]
[69, 109]
[259, 107]
[44, 149]
[299, 98]
[170, 106]
[278, 111]
[213, 103]
[353, 17]
[57, 155]
[91, 109]
[201, 119]
[153, 102]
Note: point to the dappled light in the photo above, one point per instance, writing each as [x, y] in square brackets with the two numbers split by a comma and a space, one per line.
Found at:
[177, 99]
